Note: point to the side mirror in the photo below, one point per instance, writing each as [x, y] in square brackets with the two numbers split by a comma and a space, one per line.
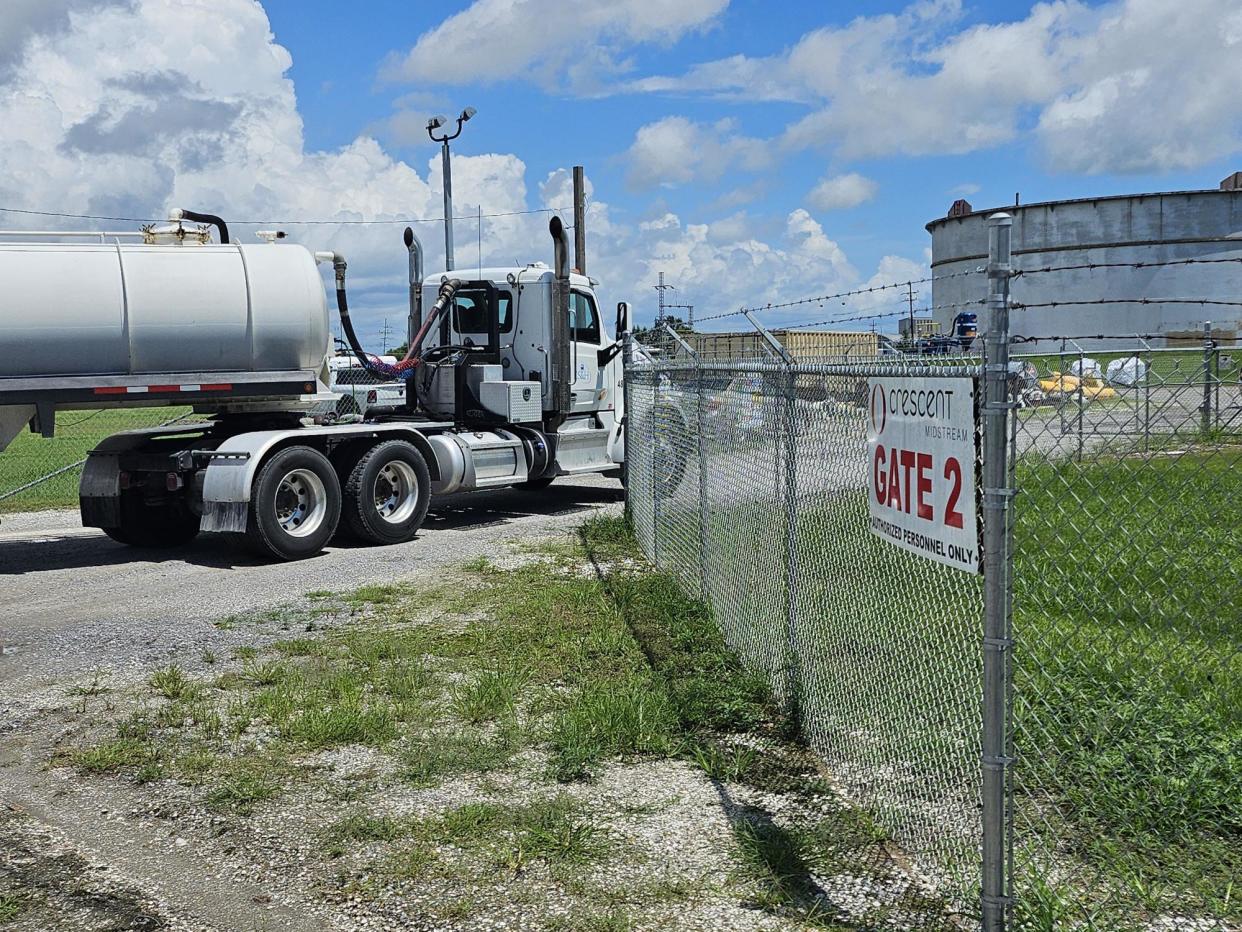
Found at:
[623, 318]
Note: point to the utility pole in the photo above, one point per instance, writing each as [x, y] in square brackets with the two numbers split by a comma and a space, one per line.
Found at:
[384, 335]
[661, 288]
[446, 170]
[580, 220]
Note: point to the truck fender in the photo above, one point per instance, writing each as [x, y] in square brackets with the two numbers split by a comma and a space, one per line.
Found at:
[230, 475]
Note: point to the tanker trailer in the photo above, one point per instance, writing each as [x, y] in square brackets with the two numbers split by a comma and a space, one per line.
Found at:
[159, 317]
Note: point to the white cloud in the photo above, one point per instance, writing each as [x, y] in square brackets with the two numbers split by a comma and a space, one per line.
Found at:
[675, 151]
[493, 40]
[130, 109]
[1131, 85]
[841, 192]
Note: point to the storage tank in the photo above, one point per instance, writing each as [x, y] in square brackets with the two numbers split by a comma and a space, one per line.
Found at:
[72, 309]
[1128, 229]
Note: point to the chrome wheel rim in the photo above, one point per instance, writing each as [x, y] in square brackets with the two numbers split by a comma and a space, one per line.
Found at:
[301, 503]
[396, 492]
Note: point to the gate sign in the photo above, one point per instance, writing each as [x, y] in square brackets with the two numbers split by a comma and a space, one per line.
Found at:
[922, 455]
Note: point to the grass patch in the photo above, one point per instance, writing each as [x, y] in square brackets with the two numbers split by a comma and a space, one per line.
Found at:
[243, 787]
[552, 831]
[489, 694]
[172, 683]
[11, 906]
[630, 715]
[1127, 676]
[432, 757]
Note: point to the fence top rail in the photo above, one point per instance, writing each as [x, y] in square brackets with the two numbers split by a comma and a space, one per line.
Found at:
[939, 367]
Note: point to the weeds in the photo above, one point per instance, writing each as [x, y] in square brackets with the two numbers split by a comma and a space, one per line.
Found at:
[490, 694]
[11, 906]
[242, 788]
[172, 683]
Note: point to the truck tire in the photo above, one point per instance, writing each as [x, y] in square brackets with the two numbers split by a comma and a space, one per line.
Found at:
[387, 493]
[295, 505]
[153, 526]
[535, 485]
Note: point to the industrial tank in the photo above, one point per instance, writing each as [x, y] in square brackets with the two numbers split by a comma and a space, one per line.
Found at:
[1130, 229]
[73, 309]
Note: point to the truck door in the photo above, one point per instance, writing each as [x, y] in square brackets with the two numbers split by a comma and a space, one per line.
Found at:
[586, 335]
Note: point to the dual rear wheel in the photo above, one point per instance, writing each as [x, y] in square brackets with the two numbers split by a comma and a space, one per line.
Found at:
[298, 500]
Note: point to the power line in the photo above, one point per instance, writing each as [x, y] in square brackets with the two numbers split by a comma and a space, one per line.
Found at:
[69, 216]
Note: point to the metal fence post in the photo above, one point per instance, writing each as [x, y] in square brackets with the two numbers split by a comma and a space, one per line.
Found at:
[791, 541]
[995, 900]
[1207, 376]
[627, 415]
[704, 591]
[653, 455]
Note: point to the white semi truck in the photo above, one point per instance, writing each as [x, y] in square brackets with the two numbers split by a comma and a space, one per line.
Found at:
[513, 379]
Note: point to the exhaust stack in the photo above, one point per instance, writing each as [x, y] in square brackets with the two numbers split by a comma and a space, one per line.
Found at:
[415, 249]
[559, 375]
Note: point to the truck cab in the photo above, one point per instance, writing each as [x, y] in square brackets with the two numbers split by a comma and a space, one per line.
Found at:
[501, 323]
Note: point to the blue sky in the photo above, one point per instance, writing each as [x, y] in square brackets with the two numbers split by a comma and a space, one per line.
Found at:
[754, 155]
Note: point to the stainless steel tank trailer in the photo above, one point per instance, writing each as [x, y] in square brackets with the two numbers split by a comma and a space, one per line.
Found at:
[512, 379]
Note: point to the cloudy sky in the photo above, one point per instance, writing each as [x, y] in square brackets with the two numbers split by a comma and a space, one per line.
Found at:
[754, 157]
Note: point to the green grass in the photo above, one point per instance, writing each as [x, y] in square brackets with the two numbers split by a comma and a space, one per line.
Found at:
[30, 456]
[11, 906]
[429, 759]
[489, 694]
[1127, 671]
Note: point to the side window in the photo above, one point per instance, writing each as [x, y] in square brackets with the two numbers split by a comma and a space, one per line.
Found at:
[470, 308]
[583, 318]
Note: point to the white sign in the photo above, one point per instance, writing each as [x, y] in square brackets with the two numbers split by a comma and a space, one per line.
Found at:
[922, 452]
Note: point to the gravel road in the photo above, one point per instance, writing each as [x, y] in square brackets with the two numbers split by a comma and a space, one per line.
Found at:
[73, 601]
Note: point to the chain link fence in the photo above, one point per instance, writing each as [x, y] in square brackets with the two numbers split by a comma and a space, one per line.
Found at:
[1109, 616]
[748, 480]
[1127, 621]
[39, 473]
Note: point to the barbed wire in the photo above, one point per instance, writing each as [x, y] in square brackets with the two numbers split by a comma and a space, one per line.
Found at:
[316, 222]
[843, 320]
[1122, 265]
[1192, 344]
[1019, 305]
[844, 294]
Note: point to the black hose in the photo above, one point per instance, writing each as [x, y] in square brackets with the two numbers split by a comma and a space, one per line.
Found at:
[342, 307]
[195, 217]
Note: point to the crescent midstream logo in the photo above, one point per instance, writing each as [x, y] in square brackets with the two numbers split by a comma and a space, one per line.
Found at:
[879, 418]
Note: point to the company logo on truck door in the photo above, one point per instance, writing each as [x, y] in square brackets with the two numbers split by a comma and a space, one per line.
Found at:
[922, 456]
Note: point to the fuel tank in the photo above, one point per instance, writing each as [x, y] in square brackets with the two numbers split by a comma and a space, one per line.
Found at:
[131, 309]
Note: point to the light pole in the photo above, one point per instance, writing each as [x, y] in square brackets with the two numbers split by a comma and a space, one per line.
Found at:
[433, 124]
